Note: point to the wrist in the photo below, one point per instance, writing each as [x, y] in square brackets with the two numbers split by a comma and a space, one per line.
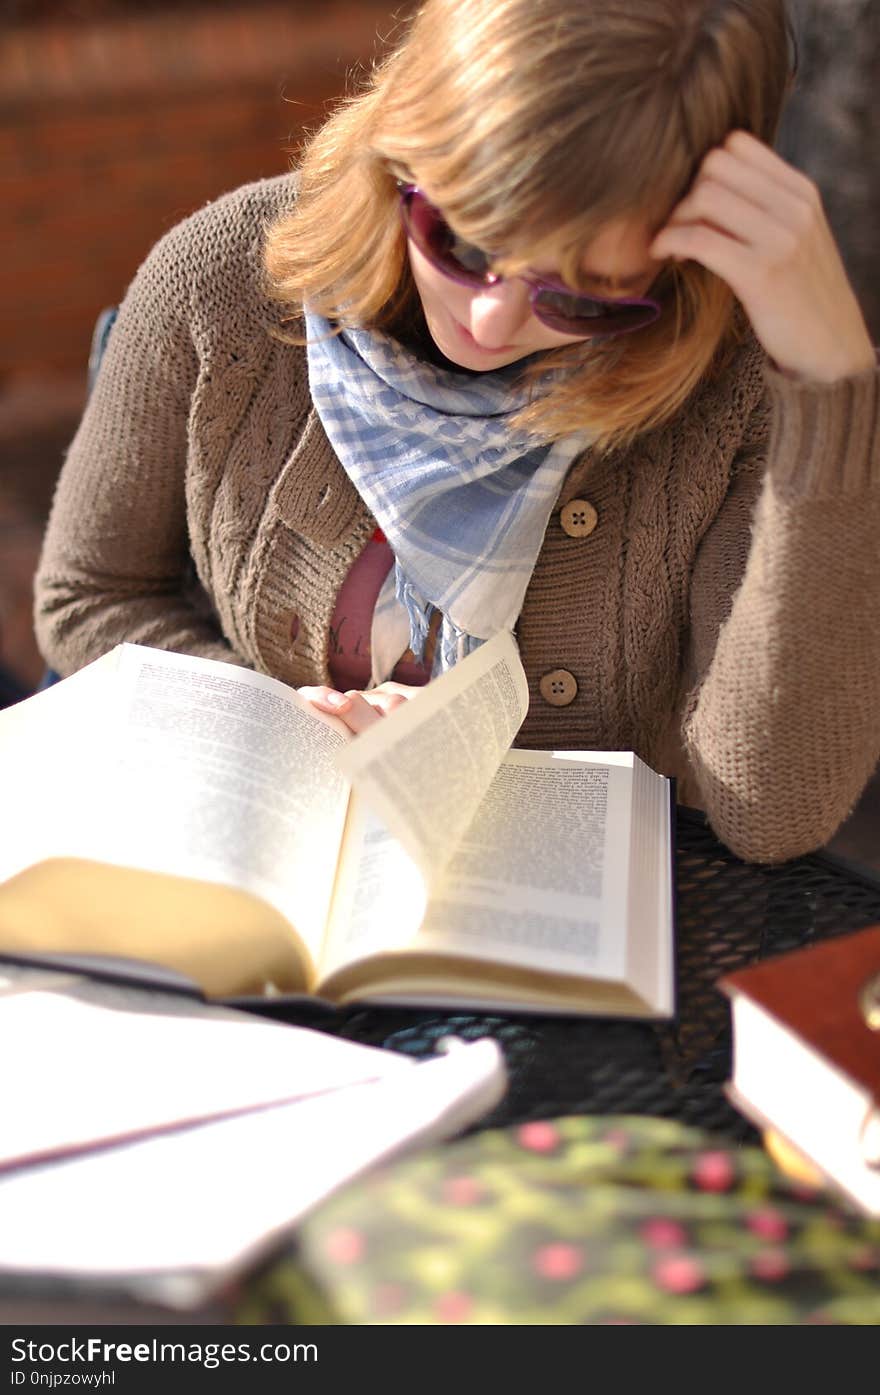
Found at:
[849, 362]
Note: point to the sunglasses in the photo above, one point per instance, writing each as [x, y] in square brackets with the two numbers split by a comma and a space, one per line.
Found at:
[553, 303]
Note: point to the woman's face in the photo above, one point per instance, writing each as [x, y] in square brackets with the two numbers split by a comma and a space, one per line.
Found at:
[485, 328]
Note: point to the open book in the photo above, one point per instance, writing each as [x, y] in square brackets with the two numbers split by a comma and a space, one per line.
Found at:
[200, 816]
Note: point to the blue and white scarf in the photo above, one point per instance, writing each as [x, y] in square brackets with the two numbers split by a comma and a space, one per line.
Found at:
[462, 498]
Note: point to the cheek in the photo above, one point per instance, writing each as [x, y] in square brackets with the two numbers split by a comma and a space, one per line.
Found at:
[427, 281]
[439, 295]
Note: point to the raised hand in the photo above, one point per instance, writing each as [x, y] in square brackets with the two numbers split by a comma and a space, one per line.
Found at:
[759, 224]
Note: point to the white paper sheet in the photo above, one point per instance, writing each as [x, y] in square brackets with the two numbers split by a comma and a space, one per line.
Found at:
[204, 1198]
[76, 1072]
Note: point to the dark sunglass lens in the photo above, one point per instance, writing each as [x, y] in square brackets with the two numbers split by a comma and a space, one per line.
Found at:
[580, 314]
[467, 257]
[434, 237]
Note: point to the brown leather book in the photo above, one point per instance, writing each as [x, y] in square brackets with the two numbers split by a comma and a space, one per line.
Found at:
[806, 1056]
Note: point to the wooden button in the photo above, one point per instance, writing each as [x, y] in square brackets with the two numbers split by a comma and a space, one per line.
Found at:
[559, 687]
[578, 518]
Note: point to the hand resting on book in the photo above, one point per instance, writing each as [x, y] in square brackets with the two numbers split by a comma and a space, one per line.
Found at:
[359, 710]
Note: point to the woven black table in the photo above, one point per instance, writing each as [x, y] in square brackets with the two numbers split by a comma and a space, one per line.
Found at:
[729, 914]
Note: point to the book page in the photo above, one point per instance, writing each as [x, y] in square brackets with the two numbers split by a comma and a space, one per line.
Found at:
[540, 877]
[51, 753]
[229, 775]
[184, 766]
[650, 947]
[380, 895]
[424, 770]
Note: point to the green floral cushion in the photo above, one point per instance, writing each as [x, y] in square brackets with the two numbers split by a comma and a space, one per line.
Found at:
[577, 1220]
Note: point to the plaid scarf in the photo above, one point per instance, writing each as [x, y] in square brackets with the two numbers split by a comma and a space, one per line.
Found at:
[462, 497]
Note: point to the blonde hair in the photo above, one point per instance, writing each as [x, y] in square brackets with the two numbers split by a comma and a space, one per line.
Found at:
[533, 123]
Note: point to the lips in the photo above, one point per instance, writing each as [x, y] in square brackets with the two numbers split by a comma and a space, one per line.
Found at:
[473, 343]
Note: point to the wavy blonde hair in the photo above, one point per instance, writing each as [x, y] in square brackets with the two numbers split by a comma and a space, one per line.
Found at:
[534, 123]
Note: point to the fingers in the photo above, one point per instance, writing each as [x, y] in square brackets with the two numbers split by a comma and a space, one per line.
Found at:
[725, 209]
[387, 697]
[751, 155]
[747, 192]
[351, 708]
[748, 150]
[358, 710]
[759, 225]
[404, 690]
[713, 248]
[327, 699]
[745, 207]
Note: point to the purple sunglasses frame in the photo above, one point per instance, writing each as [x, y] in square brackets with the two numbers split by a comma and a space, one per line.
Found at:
[610, 320]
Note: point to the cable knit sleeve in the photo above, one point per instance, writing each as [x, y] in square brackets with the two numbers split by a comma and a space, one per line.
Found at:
[782, 726]
[115, 563]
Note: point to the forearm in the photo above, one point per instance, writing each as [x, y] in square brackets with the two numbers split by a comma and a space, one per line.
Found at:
[107, 576]
[783, 730]
[115, 563]
[77, 618]
[104, 580]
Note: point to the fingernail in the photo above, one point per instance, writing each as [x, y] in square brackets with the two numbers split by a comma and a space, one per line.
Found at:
[334, 699]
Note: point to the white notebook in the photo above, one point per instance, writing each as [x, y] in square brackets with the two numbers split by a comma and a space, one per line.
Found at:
[180, 1143]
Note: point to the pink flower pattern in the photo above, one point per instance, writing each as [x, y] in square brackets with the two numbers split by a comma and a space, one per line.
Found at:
[539, 1137]
[559, 1260]
[679, 1273]
[453, 1306]
[713, 1171]
[663, 1234]
[462, 1191]
[770, 1265]
[767, 1223]
[345, 1245]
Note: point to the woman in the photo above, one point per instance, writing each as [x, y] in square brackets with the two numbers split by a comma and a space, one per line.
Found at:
[579, 359]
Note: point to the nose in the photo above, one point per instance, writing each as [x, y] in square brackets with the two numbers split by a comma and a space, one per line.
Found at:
[499, 312]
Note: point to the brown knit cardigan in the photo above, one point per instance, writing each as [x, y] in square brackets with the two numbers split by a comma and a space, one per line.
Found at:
[722, 619]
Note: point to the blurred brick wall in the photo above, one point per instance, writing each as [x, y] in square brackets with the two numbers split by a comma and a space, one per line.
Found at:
[111, 132]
